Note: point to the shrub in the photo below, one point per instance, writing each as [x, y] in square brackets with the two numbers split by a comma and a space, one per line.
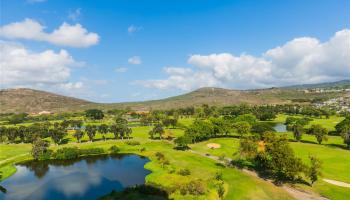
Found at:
[46, 155]
[114, 149]
[67, 153]
[221, 190]
[184, 172]
[132, 142]
[218, 176]
[143, 149]
[194, 187]
[91, 151]
[160, 156]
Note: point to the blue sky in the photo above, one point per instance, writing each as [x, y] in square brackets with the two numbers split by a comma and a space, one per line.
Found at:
[180, 45]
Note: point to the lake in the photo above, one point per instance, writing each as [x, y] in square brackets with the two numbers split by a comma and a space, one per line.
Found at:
[280, 127]
[83, 178]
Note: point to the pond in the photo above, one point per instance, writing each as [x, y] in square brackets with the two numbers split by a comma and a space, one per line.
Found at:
[84, 178]
[280, 127]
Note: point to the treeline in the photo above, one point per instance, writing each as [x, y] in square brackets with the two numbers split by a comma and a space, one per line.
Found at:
[58, 131]
[204, 129]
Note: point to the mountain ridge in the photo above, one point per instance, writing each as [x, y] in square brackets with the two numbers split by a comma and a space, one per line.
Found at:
[34, 101]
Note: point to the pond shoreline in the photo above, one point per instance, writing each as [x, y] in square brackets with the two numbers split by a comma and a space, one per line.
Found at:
[111, 171]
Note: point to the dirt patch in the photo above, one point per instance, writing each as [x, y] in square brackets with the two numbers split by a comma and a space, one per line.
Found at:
[213, 146]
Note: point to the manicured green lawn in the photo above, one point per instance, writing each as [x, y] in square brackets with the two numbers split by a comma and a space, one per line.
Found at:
[238, 185]
[327, 123]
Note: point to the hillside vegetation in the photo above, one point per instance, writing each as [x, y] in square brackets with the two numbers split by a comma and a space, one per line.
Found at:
[29, 100]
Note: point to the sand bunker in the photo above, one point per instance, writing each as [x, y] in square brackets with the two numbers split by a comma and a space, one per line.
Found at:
[213, 145]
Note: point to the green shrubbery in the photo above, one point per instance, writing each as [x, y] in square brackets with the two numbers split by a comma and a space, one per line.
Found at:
[132, 142]
[91, 151]
[184, 172]
[114, 149]
[66, 153]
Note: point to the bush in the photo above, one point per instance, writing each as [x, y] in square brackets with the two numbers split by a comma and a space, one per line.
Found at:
[218, 176]
[195, 187]
[67, 153]
[184, 172]
[143, 149]
[160, 156]
[114, 149]
[46, 155]
[132, 142]
[91, 151]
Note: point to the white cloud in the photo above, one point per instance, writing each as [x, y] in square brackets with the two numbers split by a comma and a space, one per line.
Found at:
[22, 68]
[132, 29]
[301, 60]
[65, 35]
[75, 15]
[70, 85]
[135, 60]
[121, 69]
[182, 78]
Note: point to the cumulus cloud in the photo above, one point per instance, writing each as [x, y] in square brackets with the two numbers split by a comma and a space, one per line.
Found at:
[182, 78]
[135, 60]
[65, 35]
[301, 60]
[132, 29]
[23, 68]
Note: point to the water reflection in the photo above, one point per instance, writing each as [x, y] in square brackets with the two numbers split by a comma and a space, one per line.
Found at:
[280, 127]
[86, 178]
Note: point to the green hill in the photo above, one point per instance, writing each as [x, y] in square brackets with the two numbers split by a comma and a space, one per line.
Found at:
[28, 100]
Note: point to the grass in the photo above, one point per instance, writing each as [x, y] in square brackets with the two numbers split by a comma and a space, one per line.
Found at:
[326, 123]
[336, 162]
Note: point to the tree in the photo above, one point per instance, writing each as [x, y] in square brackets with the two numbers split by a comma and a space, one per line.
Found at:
[340, 126]
[57, 134]
[78, 134]
[91, 131]
[122, 127]
[2, 189]
[279, 159]
[314, 170]
[157, 129]
[11, 133]
[182, 142]
[251, 119]
[261, 127]
[21, 133]
[114, 129]
[345, 134]
[17, 118]
[242, 127]
[103, 129]
[94, 114]
[39, 149]
[3, 134]
[220, 126]
[298, 131]
[319, 132]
